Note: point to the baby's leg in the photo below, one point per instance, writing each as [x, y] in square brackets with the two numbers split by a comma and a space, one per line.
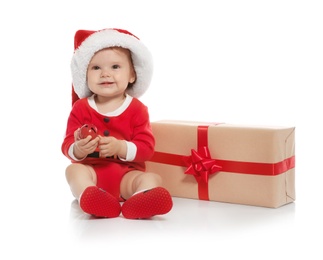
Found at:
[135, 181]
[93, 200]
[144, 196]
[79, 177]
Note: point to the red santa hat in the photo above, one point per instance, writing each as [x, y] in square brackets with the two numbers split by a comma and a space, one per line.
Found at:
[87, 43]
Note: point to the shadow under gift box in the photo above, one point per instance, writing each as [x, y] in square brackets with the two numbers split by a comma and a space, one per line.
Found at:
[251, 165]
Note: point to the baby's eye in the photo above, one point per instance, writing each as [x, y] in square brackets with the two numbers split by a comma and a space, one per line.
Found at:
[96, 67]
[115, 66]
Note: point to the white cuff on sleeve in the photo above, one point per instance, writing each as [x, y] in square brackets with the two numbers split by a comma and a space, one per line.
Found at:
[131, 152]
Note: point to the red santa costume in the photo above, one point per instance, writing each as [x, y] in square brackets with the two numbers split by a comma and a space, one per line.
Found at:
[130, 122]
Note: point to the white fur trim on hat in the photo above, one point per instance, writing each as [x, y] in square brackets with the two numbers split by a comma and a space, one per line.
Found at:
[141, 57]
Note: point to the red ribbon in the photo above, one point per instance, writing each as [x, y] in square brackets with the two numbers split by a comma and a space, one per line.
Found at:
[201, 165]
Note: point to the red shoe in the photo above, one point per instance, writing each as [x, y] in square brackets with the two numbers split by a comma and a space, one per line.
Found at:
[156, 201]
[99, 203]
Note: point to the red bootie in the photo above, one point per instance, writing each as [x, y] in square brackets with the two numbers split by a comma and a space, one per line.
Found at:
[146, 204]
[99, 203]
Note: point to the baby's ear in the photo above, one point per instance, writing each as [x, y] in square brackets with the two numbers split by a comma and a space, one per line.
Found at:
[133, 77]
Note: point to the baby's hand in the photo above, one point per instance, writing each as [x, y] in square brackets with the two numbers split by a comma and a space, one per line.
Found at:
[84, 146]
[110, 146]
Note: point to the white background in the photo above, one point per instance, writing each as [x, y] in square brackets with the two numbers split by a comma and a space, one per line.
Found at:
[241, 62]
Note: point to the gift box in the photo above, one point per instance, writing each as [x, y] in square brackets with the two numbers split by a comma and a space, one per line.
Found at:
[242, 164]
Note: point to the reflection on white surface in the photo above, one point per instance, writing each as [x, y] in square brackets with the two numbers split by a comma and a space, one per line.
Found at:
[187, 217]
[192, 227]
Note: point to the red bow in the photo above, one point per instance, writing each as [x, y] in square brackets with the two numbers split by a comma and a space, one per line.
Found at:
[201, 165]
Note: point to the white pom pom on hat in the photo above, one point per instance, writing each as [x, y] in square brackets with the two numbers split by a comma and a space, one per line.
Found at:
[87, 43]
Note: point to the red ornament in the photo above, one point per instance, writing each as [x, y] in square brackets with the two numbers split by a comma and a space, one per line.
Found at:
[88, 129]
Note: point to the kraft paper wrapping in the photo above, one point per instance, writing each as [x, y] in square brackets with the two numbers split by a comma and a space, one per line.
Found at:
[273, 147]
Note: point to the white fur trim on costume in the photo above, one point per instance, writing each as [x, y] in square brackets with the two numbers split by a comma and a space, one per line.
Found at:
[99, 40]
